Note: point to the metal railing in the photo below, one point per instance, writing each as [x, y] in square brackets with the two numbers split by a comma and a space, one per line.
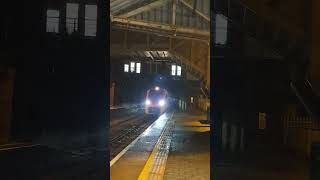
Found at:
[307, 97]
[305, 122]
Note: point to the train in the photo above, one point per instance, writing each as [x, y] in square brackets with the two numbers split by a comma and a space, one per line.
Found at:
[157, 101]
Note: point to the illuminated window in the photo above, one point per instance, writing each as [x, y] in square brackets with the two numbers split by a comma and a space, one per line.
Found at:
[138, 67]
[221, 29]
[90, 20]
[173, 70]
[126, 68]
[132, 66]
[165, 53]
[52, 21]
[178, 70]
[72, 17]
[191, 100]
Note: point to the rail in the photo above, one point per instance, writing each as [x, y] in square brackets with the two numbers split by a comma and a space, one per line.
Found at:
[307, 97]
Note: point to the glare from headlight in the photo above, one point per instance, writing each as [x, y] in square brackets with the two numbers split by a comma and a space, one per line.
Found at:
[148, 102]
[161, 102]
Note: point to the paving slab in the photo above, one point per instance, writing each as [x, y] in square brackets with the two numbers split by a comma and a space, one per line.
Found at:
[189, 156]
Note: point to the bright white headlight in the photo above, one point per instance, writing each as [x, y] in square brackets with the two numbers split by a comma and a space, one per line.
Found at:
[162, 102]
[148, 102]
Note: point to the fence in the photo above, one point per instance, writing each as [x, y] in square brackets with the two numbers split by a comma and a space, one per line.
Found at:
[305, 122]
[300, 133]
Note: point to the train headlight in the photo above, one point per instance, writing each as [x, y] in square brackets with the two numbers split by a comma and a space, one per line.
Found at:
[162, 102]
[148, 102]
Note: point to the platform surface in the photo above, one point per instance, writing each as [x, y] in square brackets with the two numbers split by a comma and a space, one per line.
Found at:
[176, 146]
[189, 156]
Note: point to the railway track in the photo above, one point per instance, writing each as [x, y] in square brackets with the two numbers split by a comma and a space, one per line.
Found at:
[122, 134]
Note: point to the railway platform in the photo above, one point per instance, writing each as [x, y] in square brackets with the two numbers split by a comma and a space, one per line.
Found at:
[175, 146]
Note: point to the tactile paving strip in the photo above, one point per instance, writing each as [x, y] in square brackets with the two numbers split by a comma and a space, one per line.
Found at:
[155, 166]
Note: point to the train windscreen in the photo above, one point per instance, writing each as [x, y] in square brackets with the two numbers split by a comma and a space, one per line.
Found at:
[155, 95]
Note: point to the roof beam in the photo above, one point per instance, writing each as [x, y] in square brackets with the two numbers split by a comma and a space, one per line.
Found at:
[178, 44]
[119, 48]
[188, 62]
[144, 8]
[115, 1]
[196, 11]
[118, 5]
[163, 27]
[174, 7]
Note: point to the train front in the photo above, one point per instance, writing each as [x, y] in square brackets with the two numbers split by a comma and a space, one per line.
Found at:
[156, 101]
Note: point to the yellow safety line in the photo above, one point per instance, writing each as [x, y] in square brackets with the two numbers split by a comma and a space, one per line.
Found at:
[150, 162]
